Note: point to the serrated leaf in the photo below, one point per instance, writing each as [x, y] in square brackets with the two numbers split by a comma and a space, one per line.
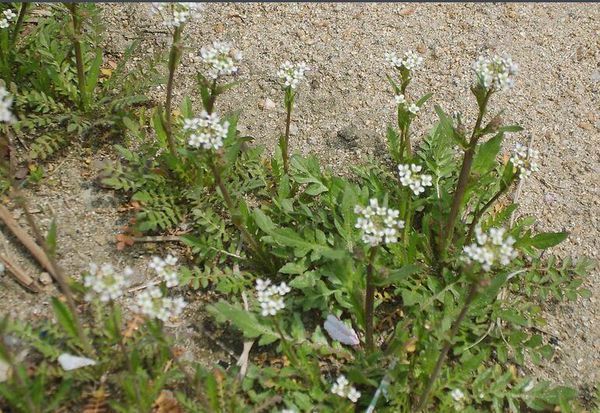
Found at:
[242, 319]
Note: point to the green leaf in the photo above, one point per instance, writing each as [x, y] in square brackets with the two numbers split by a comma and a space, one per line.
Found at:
[242, 319]
[64, 317]
[94, 73]
[548, 239]
[263, 221]
[424, 99]
[485, 158]
[159, 128]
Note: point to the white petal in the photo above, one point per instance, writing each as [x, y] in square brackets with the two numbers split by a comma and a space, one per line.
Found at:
[339, 331]
[70, 362]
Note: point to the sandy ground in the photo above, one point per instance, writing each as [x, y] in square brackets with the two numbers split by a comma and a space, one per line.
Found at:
[556, 99]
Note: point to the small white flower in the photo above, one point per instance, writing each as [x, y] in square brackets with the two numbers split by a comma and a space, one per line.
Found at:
[151, 303]
[379, 225]
[414, 109]
[490, 249]
[457, 395]
[343, 389]
[105, 283]
[495, 73]
[174, 14]
[221, 59]
[165, 269]
[3, 24]
[410, 62]
[5, 105]
[291, 74]
[353, 395]
[524, 160]
[400, 99]
[270, 297]
[411, 177]
[9, 14]
[206, 131]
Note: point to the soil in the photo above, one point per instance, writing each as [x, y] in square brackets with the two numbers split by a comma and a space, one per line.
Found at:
[341, 116]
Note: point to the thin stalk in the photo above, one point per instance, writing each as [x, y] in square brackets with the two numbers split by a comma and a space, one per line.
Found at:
[78, 54]
[213, 97]
[289, 104]
[174, 56]
[422, 402]
[407, 218]
[246, 235]
[479, 213]
[370, 301]
[19, 22]
[463, 177]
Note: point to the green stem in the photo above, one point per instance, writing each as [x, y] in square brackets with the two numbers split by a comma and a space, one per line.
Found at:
[479, 213]
[213, 97]
[78, 54]
[289, 104]
[174, 56]
[408, 218]
[422, 402]
[370, 301]
[246, 235]
[463, 177]
[19, 22]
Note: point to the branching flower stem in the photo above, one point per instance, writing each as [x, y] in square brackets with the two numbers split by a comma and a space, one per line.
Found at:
[174, 56]
[479, 213]
[76, 19]
[465, 171]
[370, 301]
[422, 402]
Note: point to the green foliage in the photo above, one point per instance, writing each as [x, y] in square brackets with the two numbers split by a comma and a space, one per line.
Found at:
[244, 218]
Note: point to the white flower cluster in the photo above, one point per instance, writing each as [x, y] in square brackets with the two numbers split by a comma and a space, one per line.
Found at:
[207, 131]
[410, 176]
[457, 395]
[524, 160]
[342, 388]
[291, 74]
[221, 58]
[106, 283]
[8, 16]
[153, 304]
[5, 104]
[496, 73]
[410, 61]
[270, 296]
[490, 248]
[174, 14]
[401, 101]
[165, 269]
[378, 224]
